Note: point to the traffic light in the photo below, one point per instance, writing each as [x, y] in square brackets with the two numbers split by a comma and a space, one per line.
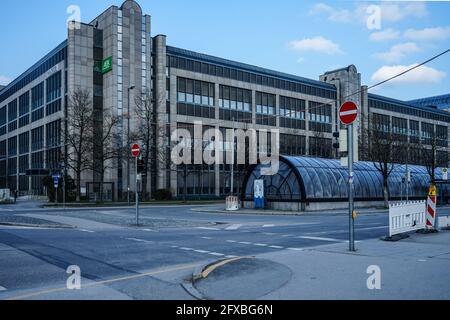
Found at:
[141, 166]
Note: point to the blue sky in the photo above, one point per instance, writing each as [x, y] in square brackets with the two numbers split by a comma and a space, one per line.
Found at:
[305, 38]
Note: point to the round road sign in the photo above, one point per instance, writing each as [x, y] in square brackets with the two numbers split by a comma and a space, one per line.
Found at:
[135, 150]
[348, 112]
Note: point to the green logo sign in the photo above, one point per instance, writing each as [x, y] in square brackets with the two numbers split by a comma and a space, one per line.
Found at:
[107, 65]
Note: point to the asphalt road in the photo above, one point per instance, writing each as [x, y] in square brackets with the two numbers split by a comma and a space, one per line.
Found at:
[33, 261]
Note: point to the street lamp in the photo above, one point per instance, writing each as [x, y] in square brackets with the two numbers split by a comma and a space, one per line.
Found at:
[128, 142]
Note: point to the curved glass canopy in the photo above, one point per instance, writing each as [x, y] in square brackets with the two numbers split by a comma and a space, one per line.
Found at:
[316, 179]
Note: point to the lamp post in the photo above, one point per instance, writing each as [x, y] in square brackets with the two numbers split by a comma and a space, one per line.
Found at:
[128, 142]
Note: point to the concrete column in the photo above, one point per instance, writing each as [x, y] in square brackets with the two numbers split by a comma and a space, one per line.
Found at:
[160, 101]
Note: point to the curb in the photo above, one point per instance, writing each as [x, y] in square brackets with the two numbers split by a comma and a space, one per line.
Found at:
[202, 272]
[30, 225]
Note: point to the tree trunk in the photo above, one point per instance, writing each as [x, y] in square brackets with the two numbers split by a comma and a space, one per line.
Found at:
[78, 186]
[385, 192]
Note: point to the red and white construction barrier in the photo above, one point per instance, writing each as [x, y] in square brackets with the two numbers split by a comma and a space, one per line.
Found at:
[431, 208]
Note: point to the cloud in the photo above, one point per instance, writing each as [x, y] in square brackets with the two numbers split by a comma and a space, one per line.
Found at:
[397, 11]
[337, 15]
[385, 35]
[397, 52]
[4, 80]
[422, 74]
[390, 11]
[317, 44]
[428, 34]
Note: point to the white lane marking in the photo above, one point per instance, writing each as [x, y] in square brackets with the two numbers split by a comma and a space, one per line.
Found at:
[201, 251]
[208, 228]
[2, 288]
[174, 247]
[231, 241]
[207, 238]
[269, 233]
[268, 226]
[140, 240]
[261, 244]
[233, 227]
[6, 210]
[245, 242]
[149, 230]
[216, 254]
[287, 235]
[276, 247]
[84, 230]
[346, 230]
[296, 249]
[231, 257]
[320, 239]
[186, 249]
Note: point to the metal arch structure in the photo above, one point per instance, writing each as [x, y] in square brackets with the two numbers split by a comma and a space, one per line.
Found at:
[324, 180]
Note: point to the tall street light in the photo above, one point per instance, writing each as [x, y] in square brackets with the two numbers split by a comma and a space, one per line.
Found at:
[128, 145]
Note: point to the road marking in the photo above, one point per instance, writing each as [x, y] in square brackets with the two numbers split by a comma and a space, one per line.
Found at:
[233, 227]
[245, 242]
[208, 228]
[320, 239]
[140, 240]
[2, 288]
[174, 247]
[276, 247]
[231, 257]
[201, 251]
[149, 230]
[186, 249]
[261, 244]
[84, 230]
[269, 233]
[207, 238]
[268, 226]
[346, 230]
[296, 249]
[231, 241]
[216, 254]
[92, 284]
[287, 235]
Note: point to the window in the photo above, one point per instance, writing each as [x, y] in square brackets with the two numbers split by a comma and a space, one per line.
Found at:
[235, 104]
[24, 143]
[195, 98]
[53, 133]
[37, 96]
[24, 103]
[292, 113]
[37, 138]
[319, 117]
[12, 146]
[292, 145]
[265, 109]
[53, 86]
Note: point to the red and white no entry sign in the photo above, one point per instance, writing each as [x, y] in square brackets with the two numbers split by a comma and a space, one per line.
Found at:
[136, 150]
[348, 112]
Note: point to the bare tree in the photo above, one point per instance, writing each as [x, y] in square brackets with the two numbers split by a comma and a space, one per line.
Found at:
[146, 133]
[78, 136]
[382, 144]
[432, 154]
[105, 146]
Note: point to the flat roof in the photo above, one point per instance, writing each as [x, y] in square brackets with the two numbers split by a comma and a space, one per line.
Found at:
[245, 67]
[407, 104]
[35, 66]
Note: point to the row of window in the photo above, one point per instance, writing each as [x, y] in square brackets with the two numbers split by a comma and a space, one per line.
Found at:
[36, 73]
[21, 143]
[255, 78]
[408, 110]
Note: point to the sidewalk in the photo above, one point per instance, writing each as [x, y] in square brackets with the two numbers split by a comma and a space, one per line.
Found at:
[414, 268]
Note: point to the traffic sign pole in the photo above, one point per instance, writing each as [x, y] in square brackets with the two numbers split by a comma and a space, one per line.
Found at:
[136, 152]
[348, 113]
[350, 189]
[137, 194]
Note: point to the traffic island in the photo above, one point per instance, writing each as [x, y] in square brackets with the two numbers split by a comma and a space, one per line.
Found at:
[243, 278]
